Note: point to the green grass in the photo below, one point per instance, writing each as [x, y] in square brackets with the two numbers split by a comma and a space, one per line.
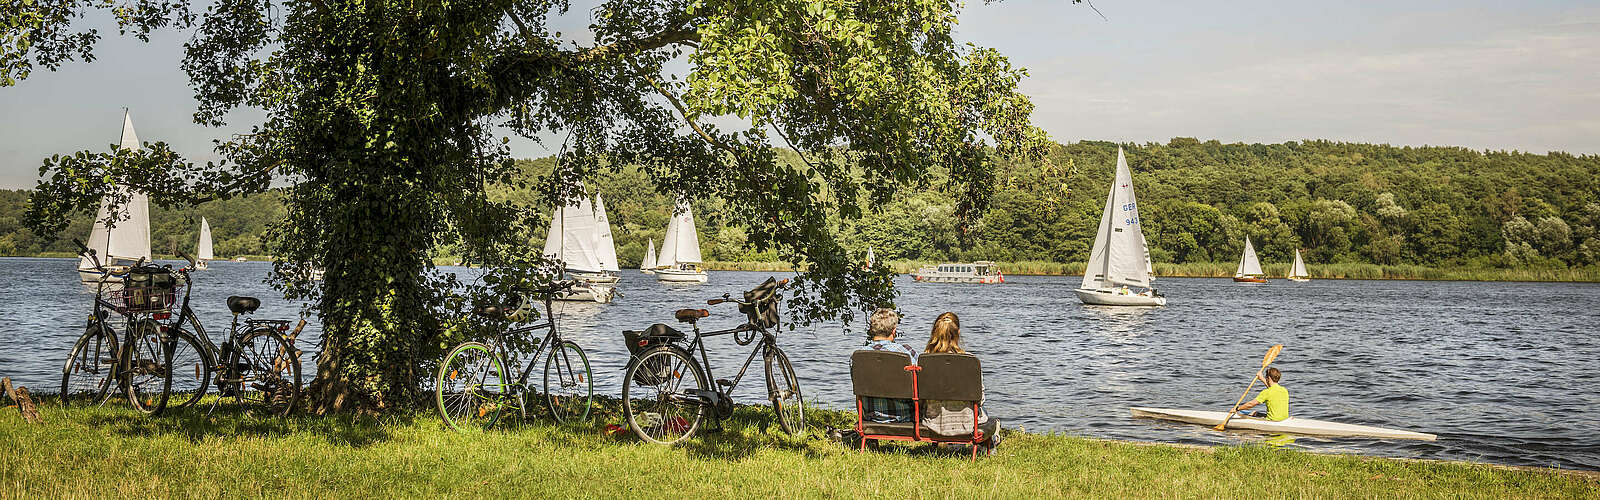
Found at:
[111, 451]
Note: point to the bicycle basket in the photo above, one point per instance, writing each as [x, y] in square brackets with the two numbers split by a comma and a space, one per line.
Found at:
[763, 308]
[656, 370]
[148, 289]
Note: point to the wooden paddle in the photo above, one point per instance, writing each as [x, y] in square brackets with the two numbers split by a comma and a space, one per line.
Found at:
[1272, 353]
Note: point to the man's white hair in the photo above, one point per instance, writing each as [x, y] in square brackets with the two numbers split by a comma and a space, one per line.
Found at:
[882, 322]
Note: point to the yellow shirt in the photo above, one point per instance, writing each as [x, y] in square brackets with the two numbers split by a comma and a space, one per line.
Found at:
[1277, 400]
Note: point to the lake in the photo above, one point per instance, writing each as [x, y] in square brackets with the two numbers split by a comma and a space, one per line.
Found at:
[1502, 372]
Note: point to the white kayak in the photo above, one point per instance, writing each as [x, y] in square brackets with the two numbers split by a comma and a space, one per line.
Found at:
[1291, 425]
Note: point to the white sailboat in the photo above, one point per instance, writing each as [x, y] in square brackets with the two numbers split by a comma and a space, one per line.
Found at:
[129, 240]
[1119, 267]
[571, 239]
[679, 259]
[1249, 267]
[202, 249]
[648, 266]
[605, 246]
[1298, 271]
[870, 258]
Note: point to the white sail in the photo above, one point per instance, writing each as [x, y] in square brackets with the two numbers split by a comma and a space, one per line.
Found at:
[203, 248]
[552, 238]
[604, 245]
[669, 250]
[683, 243]
[1119, 256]
[1248, 264]
[130, 238]
[1299, 269]
[571, 237]
[649, 256]
[870, 258]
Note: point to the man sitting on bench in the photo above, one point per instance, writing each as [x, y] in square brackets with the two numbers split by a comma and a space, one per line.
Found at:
[882, 327]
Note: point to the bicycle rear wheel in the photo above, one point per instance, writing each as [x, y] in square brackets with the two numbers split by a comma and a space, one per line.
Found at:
[191, 371]
[783, 388]
[92, 365]
[568, 387]
[470, 389]
[655, 397]
[144, 368]
[273, 378]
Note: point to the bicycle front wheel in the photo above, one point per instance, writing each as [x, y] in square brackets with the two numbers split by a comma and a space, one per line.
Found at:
[91, 367]
[470, 389]
[657, 398]
[144, 368]
[191, 371]
[568, 387]
[272, 380]
[783, 388]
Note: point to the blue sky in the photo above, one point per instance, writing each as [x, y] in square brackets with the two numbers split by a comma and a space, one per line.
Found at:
[1485, 75]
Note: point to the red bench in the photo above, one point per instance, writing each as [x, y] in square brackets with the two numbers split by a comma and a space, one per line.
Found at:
[942, 377]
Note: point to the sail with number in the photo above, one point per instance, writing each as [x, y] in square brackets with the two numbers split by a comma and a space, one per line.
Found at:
[128, 239]
[203, 248]
[1119, 256]
[649, 256]
[1248, 264]
[603, 242]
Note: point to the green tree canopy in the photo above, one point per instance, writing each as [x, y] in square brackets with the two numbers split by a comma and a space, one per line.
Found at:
[381, 116]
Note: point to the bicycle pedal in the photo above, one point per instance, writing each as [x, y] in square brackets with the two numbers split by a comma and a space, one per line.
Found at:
[724, 382]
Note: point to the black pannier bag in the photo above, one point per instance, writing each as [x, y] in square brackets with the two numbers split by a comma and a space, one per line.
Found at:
[657, 370]
[149, 289]
[762, 310]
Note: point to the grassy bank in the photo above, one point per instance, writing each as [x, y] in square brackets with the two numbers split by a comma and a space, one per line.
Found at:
[110, 451]
[1225, 269]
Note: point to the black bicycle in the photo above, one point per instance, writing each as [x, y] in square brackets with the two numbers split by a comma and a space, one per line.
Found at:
[258, 364]
[138, 362]
[660, 402]
[473, 388]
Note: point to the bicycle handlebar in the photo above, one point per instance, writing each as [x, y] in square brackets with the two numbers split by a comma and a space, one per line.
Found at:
[85, 251]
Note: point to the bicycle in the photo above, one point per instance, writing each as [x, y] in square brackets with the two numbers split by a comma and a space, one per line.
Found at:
[668, 412]
[472, 387]
[140, 362]
[258, 364]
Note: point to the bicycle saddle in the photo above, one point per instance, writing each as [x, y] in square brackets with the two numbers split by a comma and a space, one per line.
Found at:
[491, 312]
[661, 331]
[242, 305]
[687, 315]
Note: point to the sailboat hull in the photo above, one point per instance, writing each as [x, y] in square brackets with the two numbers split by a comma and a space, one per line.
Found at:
[92, 276]
[681, 276]
[590, 293]
[1248, 279]
[1114, 297]
[647, 271]
[1299, 280]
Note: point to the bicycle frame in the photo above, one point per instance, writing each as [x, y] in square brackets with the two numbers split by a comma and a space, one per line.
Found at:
[698, 344]
[552, 337]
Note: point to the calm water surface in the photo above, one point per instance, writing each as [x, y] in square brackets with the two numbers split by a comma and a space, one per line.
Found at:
[1502, 372]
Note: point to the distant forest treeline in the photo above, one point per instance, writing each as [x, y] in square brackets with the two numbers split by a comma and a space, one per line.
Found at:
[1340, 202]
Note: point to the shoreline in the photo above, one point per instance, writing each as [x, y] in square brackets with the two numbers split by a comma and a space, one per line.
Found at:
[1216, 270]
[1372, 272]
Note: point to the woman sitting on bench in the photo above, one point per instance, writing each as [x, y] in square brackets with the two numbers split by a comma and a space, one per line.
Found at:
[952, 417]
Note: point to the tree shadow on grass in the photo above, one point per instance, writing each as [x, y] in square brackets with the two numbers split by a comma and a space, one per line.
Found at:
[199, 422]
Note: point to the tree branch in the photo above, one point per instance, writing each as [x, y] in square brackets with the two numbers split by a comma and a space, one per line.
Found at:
[676, 104]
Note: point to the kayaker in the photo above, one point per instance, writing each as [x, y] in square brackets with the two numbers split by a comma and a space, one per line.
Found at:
[1274, 396]
[882, 327]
